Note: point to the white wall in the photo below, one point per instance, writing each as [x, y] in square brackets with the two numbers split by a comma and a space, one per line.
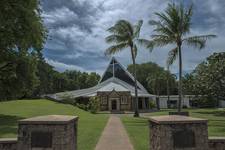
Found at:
[222, 104]
[163, 101]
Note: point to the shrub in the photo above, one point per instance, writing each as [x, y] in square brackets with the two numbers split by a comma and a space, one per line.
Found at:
[82, 106]
[206, 102]
[152, 104]
[94, 104]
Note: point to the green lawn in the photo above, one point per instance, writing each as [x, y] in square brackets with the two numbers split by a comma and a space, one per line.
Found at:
[138, 131]
[90, 126]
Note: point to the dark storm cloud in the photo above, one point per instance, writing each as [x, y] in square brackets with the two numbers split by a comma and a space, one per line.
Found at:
[77, 29]
[76, 12]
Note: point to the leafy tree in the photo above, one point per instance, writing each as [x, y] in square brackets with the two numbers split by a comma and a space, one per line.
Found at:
[208, 78]
[92, 79]
[94, 104]
[45, 74]
[125, 35]
[173, 27]
[23, 80]
[22, 37]
[149, 70]
[188, 84]
[156, 81]
[21, 26]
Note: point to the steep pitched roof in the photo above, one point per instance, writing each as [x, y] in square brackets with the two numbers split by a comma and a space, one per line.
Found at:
[116, 70]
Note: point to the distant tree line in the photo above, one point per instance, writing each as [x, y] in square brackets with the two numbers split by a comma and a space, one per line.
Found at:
[31, 77]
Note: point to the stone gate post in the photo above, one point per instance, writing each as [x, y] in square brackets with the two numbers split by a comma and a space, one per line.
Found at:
[53, 132]
[178, 133]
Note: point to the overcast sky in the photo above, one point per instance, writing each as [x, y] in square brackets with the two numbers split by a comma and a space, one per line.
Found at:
[77, 29]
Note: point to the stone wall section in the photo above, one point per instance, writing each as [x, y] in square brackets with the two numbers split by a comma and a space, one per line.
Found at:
[178, 133]
[162, 136]
[216, 143]
[8, 144]
[62, 136]
[119, 96]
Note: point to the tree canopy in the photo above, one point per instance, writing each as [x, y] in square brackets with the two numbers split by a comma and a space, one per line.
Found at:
[154, 78]
[208, 78]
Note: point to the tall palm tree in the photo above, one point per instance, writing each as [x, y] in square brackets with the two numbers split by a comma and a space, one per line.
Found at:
[173, 27]
[125, 35]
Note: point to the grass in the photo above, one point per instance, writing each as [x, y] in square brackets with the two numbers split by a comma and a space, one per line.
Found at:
[138, 130]
[90, 126]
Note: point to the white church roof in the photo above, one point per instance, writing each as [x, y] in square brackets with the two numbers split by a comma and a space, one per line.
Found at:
[116, 78]
[112, 86]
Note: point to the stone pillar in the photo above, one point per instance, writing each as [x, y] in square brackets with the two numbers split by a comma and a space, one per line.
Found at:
[53, 132]
[178, 133]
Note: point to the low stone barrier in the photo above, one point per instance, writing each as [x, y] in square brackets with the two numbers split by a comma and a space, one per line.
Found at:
[216, 143]
[175, 132]
[182, 133]
[53, 132]
[8, 144]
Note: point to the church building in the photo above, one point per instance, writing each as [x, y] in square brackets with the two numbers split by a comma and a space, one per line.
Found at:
[115, 90]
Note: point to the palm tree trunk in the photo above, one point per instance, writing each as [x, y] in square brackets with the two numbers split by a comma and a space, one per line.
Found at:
[180, 79]
[136, 113]
[168, 89]
[157, 100]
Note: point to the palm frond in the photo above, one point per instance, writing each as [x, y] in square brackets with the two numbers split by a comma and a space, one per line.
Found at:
[172, 55]
[161, 28]
[116, 48]
[165, 38]
[160, 42]
[114, 38]
[137, 29]
[117, 29]
[146, 43]
[122, 28]
[198, 41]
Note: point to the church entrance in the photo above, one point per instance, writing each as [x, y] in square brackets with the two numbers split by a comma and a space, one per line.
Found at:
[114, 105]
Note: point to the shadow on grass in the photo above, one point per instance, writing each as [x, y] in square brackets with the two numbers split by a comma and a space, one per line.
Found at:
[8, 124]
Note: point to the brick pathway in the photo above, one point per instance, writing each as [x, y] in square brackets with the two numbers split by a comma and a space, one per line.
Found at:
[114, 136]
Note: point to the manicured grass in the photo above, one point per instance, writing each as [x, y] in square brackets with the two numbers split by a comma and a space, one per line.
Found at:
[138, 130]
[90, 126]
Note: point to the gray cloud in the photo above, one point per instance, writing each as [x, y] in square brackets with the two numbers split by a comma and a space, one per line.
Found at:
[77, 29]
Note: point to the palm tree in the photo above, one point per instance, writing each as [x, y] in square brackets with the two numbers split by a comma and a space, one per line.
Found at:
[125, 35]
[173, 27]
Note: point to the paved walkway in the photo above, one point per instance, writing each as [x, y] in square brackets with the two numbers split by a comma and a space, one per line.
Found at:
[114, 136]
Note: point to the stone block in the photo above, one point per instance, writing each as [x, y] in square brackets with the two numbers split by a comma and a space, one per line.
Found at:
[175, 132]
[53, 132]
